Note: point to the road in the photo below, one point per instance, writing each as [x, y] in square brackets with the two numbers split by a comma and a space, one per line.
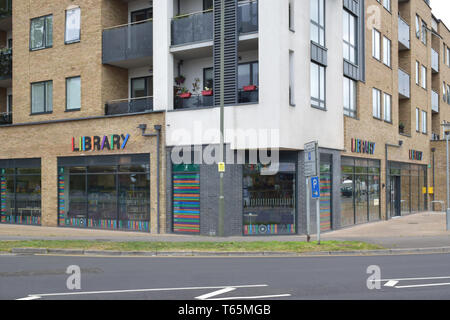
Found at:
[402, 277]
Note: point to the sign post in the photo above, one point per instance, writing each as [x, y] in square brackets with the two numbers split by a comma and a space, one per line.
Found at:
[315, 186]
[311, 166]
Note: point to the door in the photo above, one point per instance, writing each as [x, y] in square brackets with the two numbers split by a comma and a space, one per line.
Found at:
[395, 206]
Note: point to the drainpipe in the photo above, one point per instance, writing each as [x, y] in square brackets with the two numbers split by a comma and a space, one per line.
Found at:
[143, 127]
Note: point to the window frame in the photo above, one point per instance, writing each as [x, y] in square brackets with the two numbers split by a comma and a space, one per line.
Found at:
[67, 87]
[385, 111]
[46, 111]
[424, 127]
[374, 49]
[423, 77]
[348, 46]
[417, 120]
[387, 43]
[349, 112]
[44, 36]
[319, 100]
[317, 24]
[377, 116]
[79, 28]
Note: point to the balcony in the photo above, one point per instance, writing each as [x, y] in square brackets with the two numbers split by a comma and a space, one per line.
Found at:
[250, 97]
[248, 17]
[5, 68]
[434, 101]
[5, 118]
[198, 27]
[125, 106]
[434, 61]
[403, 34]
[194, 101]
[192, 28]
[129, 45]
[404, 84]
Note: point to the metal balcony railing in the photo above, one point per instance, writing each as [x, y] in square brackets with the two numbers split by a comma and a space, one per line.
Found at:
[248, 16]
[434, 60]
[132, 105]
[248, 96]
[128, 42]
[403, 34]
[404, 84]
[5, 63]
[434, 101]
[5, 118]
[195, 101]
[193, 27]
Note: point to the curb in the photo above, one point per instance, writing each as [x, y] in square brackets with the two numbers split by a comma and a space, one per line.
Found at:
[33, 251]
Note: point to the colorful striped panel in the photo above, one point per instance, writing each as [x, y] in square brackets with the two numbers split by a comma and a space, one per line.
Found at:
[186, 202]
[61, 201]
[325, 201]
[4, 217]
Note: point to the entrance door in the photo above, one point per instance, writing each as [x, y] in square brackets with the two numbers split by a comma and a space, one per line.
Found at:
[395, 206]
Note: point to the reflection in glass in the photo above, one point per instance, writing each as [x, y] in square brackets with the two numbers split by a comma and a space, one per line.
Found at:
[269, 200]
[347, 209]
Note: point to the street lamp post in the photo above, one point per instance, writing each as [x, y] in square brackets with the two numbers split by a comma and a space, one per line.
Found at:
[447, 136]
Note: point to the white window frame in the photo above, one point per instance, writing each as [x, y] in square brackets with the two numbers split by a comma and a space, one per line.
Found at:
[386, 51]
[376, 103]
[376, 44]
[387, 105]
[73, 18]
[424, 74]
[417, 119]
[424, 122]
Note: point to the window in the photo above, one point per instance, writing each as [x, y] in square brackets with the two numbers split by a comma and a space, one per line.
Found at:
[417, 119]
[376, 44]
[41, 33]
[73, 24]
[387, 51]
[248, 74]
[387, 102]
[350, 37]
[208, 78]
[417, 72]
[291, 79]
[73, 93]
[318, 21]
[142, 87]
[141, 15]
[42, 97]
[376, 103]
[291, 16]
[417, 27]
[424, 33]
[208, 4]
[424, 122]
[424, 77]
[349, 97]
[387, 4]
[444, 97]
[317, 85]
[448, 93]
[448, 56]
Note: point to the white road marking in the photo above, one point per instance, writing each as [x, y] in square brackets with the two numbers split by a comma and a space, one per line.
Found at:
[390, 283]
[40, 295]
[30, 298]
[424, 285]
[412, 279]
[215, 293]
[255, 297]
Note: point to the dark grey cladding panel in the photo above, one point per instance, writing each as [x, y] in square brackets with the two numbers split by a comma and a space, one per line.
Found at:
[351, 71]
[318, 54]
[230, 54]
[353, 6]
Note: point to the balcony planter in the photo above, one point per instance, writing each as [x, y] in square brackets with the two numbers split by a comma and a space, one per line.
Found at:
[185, 95]
[250, 88]
[207, 93]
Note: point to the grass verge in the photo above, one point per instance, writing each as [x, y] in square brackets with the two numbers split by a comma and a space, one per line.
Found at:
[277, 246]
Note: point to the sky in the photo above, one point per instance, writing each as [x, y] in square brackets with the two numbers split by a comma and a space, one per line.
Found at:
[441, 10]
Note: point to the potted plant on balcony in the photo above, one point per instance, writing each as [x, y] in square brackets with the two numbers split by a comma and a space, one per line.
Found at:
[251, 87]
[207, 92]
[196, 86]
[185, 94]
[180, 80]
[401, 127]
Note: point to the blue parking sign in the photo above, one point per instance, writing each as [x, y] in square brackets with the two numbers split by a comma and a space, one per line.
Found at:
[315, 186]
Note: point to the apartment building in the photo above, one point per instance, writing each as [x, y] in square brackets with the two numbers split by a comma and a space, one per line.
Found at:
[115, 118]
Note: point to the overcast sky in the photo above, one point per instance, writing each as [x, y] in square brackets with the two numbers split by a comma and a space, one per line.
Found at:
[441, 10]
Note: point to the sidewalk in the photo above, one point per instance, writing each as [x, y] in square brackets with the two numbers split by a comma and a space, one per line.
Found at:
[423, 230]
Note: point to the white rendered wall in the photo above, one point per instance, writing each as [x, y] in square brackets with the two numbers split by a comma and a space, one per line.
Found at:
[296, 125]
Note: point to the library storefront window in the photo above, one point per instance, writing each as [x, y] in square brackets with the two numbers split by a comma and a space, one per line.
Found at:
[406, 184]
[105, 192]
[269, 200]
[360, 191]
[20, 196]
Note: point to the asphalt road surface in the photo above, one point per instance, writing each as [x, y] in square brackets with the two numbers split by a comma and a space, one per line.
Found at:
[154, 278]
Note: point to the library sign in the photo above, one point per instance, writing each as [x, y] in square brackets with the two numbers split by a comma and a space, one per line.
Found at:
[361, 146]
[96, 143]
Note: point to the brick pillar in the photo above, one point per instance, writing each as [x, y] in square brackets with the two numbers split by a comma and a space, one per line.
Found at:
[49, 182]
